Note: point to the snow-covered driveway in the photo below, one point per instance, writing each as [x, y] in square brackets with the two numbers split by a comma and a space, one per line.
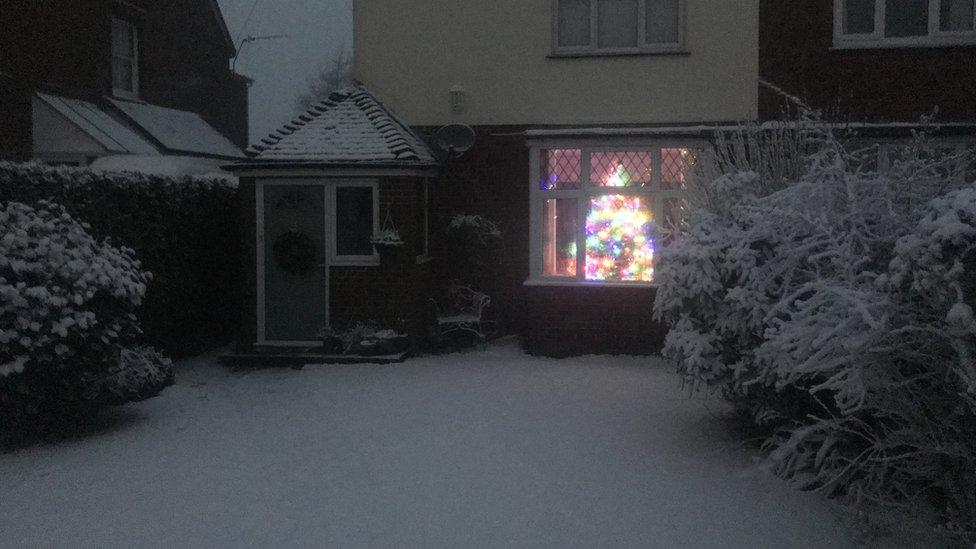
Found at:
[486, 449]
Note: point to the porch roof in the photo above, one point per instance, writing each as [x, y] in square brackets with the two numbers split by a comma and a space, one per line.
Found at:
[349, 129]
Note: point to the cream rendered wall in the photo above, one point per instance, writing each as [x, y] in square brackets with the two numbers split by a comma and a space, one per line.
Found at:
[411, 52]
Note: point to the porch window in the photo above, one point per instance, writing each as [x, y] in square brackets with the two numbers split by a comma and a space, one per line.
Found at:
[595, 210]
[598, 27]
[125, 59]
[356, 207]
[904, 23]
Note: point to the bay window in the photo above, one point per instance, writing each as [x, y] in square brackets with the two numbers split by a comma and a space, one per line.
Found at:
[584, 27]
[904, 23]
[595, 210]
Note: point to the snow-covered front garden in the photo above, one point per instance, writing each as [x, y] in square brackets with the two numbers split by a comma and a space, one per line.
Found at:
[484, 449]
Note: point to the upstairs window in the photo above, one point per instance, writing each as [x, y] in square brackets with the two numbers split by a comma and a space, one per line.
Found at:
[597, 27]
[904, 23]
[125, 59]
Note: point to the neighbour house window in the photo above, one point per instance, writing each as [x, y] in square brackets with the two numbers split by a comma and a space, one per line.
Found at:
[617, 26]
[903, 23]
[125, 59]
[356, 208]
[595, 210]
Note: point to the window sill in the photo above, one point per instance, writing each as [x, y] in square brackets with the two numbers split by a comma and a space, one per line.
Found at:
[618, 53]
[573, 283]
[929, 42]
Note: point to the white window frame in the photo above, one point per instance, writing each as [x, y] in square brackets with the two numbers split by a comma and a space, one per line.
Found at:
[134, 61]
[593, 49]
[586, 191]
[371, 260]
[936, 37]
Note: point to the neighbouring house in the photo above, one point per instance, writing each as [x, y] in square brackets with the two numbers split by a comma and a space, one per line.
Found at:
[137, 85]
[587, 116]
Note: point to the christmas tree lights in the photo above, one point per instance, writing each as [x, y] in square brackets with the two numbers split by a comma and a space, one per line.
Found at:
[619, 246]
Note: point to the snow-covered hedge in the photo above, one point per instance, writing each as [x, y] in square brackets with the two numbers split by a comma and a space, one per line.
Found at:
[186, 231]
[834, 304]
[67, 304]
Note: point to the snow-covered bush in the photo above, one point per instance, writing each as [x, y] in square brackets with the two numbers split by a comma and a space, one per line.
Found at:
[186, 231]
[833, 303]
[67, 304]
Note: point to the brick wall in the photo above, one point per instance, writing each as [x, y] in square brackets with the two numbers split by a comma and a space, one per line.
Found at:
[878, 85]
[395, 291]
[493, 180]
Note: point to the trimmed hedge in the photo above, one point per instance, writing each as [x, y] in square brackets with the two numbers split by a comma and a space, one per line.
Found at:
[185, 231]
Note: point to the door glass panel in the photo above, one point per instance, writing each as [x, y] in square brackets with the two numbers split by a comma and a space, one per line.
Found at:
[294, 262]
[354, 221]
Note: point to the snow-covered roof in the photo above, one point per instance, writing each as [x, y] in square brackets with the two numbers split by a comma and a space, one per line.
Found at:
[179, 131]
[101, 126]
[351, 127]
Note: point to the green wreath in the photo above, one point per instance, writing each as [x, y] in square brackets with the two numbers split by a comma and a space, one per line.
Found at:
[295, 252]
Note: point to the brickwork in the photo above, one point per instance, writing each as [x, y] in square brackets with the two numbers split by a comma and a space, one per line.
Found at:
[875, 85]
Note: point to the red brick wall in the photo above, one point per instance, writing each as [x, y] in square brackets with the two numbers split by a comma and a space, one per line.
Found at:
[493, 180]
[878, 85]
[396, 290]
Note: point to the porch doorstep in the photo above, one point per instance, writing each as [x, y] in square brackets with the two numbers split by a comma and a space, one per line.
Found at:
[298, 358]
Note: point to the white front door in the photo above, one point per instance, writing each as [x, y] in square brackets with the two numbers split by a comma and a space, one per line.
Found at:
[293, 272]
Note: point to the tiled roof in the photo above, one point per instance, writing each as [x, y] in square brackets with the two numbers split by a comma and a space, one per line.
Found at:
[350, 127]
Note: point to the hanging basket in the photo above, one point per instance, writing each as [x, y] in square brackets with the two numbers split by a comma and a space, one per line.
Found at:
[387, 240]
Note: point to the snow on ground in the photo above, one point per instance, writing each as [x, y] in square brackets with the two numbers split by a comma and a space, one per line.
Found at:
[484, 449]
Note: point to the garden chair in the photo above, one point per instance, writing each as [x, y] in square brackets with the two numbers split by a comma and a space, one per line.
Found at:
[462, 310]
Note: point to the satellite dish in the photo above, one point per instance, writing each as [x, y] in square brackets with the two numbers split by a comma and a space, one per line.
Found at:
[455, 139]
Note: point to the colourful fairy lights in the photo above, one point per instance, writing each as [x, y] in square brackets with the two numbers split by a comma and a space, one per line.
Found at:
[619, 246]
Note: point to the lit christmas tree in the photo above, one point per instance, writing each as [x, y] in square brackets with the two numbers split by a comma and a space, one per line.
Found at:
[618, 243]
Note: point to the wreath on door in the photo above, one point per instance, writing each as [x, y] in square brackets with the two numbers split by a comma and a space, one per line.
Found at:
[295, 252]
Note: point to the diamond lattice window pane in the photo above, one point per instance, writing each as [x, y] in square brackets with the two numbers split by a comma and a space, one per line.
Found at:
[621, 169]
[675, 167]
[561, 169]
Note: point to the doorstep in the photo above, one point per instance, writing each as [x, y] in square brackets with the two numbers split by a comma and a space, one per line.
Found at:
[301, 359]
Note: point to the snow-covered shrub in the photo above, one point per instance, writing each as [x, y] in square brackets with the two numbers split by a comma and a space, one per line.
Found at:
[67, 313]
[834, 305]
[141, 373]
[186, 231]
[65, 298]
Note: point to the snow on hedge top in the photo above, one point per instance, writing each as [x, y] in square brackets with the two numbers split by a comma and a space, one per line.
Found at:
[181, 131]
[350, 127]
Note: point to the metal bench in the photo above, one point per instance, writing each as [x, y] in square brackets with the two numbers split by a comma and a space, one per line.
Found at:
[462, 310]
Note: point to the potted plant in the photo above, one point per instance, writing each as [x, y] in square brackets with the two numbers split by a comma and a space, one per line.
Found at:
[387, 241]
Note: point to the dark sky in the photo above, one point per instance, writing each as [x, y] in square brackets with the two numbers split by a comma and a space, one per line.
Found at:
[317, 31]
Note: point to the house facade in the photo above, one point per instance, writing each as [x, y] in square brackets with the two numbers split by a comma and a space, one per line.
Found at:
[586, 113]
[85, 81]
